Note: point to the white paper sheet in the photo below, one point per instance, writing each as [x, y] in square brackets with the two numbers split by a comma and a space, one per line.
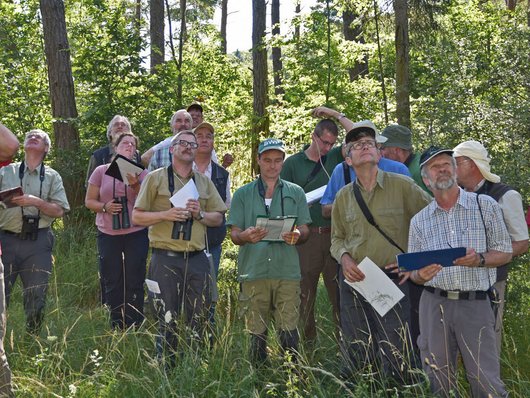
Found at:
[377, 288]
[152, 286]
[275, 227]
[127, 168]
[315, 195]
[187, 192]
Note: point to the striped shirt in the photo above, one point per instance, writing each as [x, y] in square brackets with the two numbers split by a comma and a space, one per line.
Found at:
[434, 228]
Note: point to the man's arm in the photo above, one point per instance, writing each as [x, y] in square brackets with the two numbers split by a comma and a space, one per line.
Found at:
[146, 157]
[148, 218]
[8, 144]
[48, 208]
[323, 111]
[519, 247]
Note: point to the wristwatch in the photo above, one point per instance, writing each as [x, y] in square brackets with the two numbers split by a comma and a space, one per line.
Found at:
[482, 262]
[201, 216]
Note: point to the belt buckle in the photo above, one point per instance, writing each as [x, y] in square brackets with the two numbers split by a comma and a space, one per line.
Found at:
[453, 295]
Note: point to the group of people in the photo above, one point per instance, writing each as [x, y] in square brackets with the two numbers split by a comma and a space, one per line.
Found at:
[381, 199]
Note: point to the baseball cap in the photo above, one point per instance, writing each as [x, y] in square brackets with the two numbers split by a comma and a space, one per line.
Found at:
[205, 125]
[270, 143]
[364, 126]
[397, 136]
[431, 152]
[195, 105]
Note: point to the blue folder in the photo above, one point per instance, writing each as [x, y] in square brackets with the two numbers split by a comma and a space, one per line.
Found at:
[444, 257]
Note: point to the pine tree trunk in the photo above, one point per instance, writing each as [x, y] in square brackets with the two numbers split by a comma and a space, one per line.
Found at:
[402, 63]
[62, 97]
[355, 34]
[260, 122]
[224, 17]
[156, 33]
[276, 51]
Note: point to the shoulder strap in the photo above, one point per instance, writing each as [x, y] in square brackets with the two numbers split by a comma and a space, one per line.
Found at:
[370, 217]
[316, 169]
[346, 171]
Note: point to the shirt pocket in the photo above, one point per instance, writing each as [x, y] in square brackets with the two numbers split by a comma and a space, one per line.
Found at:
[391, 221]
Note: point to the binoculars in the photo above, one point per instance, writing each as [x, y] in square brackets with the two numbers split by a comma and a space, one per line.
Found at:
[125, 222]
[182, 228]
[30, 227]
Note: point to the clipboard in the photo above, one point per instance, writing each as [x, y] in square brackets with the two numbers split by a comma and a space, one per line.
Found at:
[444, 257]
[275, 226]
[7, 194]
[121, 166]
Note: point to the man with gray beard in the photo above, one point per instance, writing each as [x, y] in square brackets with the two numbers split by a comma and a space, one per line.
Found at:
[455, 309]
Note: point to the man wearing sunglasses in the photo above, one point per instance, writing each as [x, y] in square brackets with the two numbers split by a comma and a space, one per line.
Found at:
[179, 269]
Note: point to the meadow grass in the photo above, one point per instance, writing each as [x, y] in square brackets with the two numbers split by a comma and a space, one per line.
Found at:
[78, 355]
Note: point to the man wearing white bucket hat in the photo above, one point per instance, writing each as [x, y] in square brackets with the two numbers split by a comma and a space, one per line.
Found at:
[474, 175]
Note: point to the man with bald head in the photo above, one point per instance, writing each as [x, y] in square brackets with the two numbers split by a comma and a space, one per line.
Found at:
[158, 156]
[474, 175]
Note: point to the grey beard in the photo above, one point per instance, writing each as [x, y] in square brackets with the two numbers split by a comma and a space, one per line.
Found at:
[443, 185]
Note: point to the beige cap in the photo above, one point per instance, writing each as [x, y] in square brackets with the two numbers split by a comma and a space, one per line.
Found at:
[479, 155]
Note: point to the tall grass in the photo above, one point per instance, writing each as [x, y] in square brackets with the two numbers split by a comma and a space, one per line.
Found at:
[77, 355]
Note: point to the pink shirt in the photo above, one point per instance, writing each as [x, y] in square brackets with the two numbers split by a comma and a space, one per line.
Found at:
[105, 185]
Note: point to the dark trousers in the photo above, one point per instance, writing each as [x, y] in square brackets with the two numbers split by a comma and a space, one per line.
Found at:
[32, 261]
[122, 263]
[368, 337]
[183, 301]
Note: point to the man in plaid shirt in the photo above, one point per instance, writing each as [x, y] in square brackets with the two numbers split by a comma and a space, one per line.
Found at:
[455, 309]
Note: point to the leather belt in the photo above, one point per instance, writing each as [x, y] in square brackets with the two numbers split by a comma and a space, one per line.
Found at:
[171, 253]
[458, 295]
[18, 234]
[320, 230]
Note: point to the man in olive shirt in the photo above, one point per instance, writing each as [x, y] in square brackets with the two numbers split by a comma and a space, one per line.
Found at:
[179, 267]
[310, 169]
[26, 236]
[393, 200]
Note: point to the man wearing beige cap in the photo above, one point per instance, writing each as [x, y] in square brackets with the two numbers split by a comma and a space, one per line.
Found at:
[474, 175]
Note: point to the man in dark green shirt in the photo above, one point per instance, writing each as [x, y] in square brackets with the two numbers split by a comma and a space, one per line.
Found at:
[310, 169]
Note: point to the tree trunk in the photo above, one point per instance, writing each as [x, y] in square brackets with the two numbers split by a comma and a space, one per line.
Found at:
[297, 26]
[62, 96]
[355, 34]
[276, 51]
[511, 4]
[181, 50]
[156, 32]
[402, 63]
[224, 17]
[260, 122]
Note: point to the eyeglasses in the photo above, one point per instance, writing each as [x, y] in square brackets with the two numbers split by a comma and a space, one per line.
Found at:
[185, 144]
[326, 143]
[358, 145]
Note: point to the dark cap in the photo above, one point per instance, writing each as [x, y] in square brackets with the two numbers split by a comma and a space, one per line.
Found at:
[195, 105]
[431, 152]
[398, 137]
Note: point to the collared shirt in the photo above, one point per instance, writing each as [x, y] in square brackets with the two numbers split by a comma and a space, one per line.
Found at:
[154, 196]
[393, 201]
[208, 173]
[298, 168]
[461, 226]
[52, 191]
[337, 178]
[268, 260]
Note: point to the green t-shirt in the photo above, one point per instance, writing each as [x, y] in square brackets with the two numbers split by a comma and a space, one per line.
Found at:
[298, 167]
[267, 260]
